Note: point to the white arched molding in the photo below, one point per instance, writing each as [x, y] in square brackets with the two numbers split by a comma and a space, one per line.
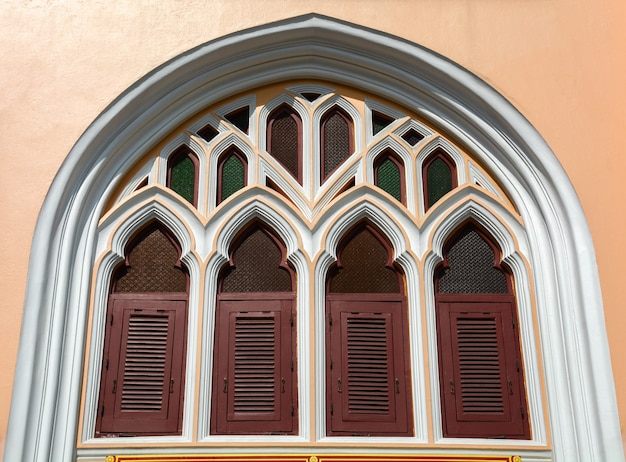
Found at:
[231, 140]
[305, 122]
[581, 402]
[407, 159]
[510, 237]
[357, 131]
[427, 150]
[385, 214]
[198, 149]
[289, 229]
[115, 231]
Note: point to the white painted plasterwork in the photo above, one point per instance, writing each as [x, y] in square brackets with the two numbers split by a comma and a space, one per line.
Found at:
[581, 402]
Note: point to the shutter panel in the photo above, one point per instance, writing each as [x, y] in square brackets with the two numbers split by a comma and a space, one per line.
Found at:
[481, 381]
[143, 366]
[368, 371]
[254, 381]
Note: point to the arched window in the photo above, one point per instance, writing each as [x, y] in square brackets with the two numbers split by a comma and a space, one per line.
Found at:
[284, 139]
[389, 175]
[143, 361]
[232, 169]
[337, 140]
[254, 378]
[367, 381]
[480, 365]
[94, 205]
[182, 174]
[438, 177]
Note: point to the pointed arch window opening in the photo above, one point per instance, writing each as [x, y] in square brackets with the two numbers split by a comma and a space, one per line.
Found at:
[337, 140]
[439, 177]
[481, 374]
[389, 175]
[254, 375]
[182, 174]
[368, 385]
[143, 366]
[232, 168]
[284, 140]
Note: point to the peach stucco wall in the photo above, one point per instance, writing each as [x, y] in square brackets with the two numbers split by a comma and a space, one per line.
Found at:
[562, 63]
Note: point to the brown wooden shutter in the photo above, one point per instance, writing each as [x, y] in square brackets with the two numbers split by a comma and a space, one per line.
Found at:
[254, 389]
[482, 384]
[143, 370]
[368, 383]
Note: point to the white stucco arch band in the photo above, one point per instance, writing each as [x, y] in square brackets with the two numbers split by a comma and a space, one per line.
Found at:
[581, 397]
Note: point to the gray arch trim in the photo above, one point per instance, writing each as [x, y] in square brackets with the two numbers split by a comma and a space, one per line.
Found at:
[581, 395]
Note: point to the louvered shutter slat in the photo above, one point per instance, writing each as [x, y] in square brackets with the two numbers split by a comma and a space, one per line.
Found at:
[253, 354]
[142, 391]
[367, 385]
[482, 391]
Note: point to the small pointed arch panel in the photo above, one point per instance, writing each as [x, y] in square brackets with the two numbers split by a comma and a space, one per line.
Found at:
[284, 139]
[337, 143]
[257, 264]
[389, 175]
[438, 177]
[182, 174]
[364, 264]
[482, 386]
[232, 173]
[152, 264]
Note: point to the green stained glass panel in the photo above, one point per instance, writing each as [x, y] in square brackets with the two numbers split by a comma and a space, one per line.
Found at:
[233, 176]
[439, 181]
[182, 178]
[389, 179]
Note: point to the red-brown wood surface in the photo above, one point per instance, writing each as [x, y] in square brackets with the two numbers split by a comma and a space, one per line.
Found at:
[143, 367]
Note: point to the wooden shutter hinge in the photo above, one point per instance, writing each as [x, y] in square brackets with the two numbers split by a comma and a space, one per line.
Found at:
[523, 413]
[331, 409]
[111, 321]
[293, 410]
[106, 364]
[330, 320]
[102, 411]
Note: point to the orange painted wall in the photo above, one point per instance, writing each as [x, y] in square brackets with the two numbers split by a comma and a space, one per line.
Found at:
[561, 63]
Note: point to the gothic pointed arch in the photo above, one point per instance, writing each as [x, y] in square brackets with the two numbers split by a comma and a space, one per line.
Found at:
[581, 403]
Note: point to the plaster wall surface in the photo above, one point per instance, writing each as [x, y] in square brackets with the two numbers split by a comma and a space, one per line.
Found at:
[561, 63]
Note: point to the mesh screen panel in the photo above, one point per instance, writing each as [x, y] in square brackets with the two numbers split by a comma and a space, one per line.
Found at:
[233, 176]
[439, 181]
[152, 267]
[257, 269]
[471, 268]
[284, 138]
[336, 142]
[364, 271]
[183, 177]
[388, 179]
